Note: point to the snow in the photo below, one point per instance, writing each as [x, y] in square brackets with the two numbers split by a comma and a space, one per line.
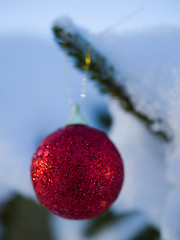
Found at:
[149, 63]
[146, 186]
[146, 62]
[171, 216]
[34, 102]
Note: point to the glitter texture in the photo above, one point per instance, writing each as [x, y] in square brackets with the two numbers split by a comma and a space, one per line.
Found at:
[77, 172]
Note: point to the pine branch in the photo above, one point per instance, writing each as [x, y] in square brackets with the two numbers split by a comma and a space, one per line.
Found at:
[100, 71]
[147, 233]
[106, 220]
[109, 218]
[24, 219]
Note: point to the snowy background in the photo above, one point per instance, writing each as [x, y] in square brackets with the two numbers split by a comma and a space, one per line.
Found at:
[141, 40]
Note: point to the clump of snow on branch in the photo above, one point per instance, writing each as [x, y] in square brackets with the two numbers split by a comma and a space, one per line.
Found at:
[150, 65]
[144, 62]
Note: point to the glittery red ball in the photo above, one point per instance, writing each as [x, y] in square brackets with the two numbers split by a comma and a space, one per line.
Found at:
[77, 172]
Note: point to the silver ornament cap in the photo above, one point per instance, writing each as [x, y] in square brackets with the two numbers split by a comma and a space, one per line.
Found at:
[76, 117]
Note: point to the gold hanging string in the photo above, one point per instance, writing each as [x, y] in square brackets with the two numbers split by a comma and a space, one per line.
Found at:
[86, 70]
[69, 83]
[84, 79]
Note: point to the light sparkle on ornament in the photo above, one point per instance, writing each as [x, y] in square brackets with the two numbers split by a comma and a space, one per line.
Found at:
[77, 172]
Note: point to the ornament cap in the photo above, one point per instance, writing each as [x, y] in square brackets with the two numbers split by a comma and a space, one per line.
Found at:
[76, 117]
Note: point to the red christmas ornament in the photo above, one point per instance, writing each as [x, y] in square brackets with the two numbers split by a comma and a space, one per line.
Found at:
[77, 172]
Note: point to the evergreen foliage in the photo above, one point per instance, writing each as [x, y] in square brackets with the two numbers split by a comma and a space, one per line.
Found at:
[102, 72]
